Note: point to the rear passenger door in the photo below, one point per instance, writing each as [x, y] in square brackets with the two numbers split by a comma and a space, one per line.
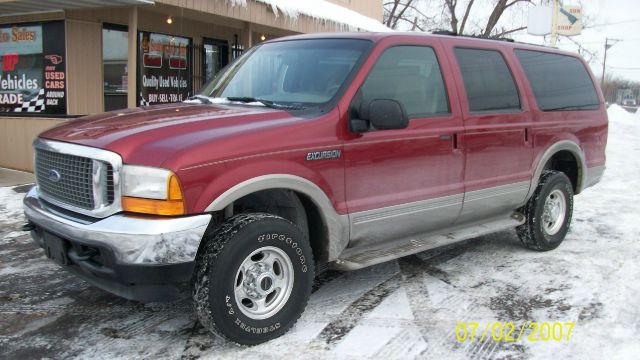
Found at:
[405, 182]
[496, 139]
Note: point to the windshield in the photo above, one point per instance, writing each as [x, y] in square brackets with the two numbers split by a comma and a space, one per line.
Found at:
[305, 72]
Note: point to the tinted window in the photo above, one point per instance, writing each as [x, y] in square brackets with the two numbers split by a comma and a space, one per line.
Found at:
[558, 81]
[291, 72]
[487, 80]
[410, 75]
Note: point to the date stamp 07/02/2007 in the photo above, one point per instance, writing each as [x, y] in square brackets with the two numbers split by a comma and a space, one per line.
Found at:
[510, 332]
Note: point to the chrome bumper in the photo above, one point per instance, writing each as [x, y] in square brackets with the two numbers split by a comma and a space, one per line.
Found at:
[133, 240]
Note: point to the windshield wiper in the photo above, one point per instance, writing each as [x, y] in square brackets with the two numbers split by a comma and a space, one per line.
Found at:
[202, 98]
[265, 102]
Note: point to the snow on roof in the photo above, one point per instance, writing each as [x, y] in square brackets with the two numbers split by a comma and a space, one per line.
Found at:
[322, 10]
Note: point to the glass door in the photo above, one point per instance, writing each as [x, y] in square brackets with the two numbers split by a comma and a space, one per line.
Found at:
[215, 57]
[115, 53]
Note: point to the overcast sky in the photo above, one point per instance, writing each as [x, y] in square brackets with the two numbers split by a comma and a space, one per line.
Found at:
[618, 19]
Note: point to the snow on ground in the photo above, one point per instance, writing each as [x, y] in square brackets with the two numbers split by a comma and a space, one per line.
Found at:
[402, 309]
[321, 10]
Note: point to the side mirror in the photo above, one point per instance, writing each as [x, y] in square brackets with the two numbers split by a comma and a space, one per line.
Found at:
[383, 114]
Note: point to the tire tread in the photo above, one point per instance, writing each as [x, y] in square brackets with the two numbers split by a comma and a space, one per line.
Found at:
[208, 256]
[527, 231]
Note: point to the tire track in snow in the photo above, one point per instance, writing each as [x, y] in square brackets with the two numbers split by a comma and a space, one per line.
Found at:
[413, 270]
[405, 344]
[416, 271]
[349, 318]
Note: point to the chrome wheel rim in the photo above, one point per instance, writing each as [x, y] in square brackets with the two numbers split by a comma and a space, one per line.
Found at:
[263, 282]
[554, 212]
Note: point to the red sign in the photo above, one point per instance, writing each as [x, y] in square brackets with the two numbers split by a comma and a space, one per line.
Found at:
[9, 61]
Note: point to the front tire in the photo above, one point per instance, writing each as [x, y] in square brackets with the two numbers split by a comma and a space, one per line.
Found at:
[253, 278]
[548, 213]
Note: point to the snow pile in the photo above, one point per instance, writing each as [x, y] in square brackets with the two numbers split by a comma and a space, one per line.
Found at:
[619, 114]
[321, 10]
[10, 205]
[11, 214]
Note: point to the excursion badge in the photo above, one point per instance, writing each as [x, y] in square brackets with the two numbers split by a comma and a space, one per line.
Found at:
[324, 155]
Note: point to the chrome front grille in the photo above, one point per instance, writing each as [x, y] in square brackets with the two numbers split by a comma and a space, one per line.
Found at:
[81, 179]
[69, 179]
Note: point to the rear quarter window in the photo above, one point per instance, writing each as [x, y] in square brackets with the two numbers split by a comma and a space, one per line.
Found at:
[559, 82]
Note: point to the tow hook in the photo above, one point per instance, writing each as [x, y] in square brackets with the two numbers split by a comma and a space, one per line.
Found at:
[517, 216]
[28, 227]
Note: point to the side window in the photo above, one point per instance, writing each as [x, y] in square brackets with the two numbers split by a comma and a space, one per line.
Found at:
[487, 80]
[559, 82]
[410, 75]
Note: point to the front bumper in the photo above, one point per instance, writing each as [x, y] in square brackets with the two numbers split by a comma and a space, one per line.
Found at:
[139, 258]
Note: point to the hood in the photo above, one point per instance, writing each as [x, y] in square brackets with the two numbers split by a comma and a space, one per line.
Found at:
[148, 136]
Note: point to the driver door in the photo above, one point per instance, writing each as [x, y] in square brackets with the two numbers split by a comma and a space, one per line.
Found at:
[405, 182]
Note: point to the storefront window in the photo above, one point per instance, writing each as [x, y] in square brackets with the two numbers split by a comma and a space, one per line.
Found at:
[165, 71]
[114, 61]
[32, 69]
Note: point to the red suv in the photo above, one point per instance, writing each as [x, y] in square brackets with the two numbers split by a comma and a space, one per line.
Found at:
[312, 152]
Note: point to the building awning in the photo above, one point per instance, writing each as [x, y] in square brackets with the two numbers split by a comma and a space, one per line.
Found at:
[20, 7]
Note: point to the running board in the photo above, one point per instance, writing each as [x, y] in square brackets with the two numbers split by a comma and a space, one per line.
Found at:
[363, 256]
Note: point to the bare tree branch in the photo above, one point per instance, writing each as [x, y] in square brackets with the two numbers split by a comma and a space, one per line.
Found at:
[515, 2]
[451, 5]
[506, 32]
[401, 13]
[466, 16]
[495, 16]
[457, 15]
[392, 12]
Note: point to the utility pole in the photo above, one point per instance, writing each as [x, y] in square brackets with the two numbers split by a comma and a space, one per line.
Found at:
[608, 43]
[554, 24]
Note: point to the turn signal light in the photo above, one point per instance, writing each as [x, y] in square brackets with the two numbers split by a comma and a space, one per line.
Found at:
[172, 206]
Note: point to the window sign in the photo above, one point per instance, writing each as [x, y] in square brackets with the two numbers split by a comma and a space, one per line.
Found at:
[165, 74]
[32, 69]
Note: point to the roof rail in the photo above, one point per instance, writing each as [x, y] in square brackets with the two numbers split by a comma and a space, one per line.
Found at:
[453, 33]
[444, 32]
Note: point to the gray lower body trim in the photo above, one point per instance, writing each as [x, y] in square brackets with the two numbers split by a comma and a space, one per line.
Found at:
[363, 256]
[484, 203]
[380, 225]
[337, 225]
[594, 175]
[567, 145]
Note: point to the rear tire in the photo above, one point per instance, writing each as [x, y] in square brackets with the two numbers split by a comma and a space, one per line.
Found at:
[548, 213]
[253, 278]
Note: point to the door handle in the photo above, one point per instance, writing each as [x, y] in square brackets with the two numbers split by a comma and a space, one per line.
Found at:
[449, 137]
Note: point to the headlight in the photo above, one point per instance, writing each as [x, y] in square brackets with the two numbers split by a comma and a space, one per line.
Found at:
[150, 190]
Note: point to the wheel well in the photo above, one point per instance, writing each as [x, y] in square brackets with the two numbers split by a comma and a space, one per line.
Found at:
[291, 205]
[564, 161]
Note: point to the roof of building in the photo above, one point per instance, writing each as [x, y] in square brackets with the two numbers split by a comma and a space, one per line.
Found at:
[321, 10]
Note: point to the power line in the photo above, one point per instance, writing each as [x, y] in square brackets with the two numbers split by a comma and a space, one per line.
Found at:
[612, 23]
[600, 42]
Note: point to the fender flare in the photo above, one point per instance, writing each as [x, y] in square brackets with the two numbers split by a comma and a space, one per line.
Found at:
[337, 225]
[564, 145]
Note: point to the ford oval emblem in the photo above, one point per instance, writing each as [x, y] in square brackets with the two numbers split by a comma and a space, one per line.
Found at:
[54, 175]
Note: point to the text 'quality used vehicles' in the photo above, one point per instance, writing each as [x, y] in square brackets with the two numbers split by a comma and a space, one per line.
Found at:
[314, 152]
